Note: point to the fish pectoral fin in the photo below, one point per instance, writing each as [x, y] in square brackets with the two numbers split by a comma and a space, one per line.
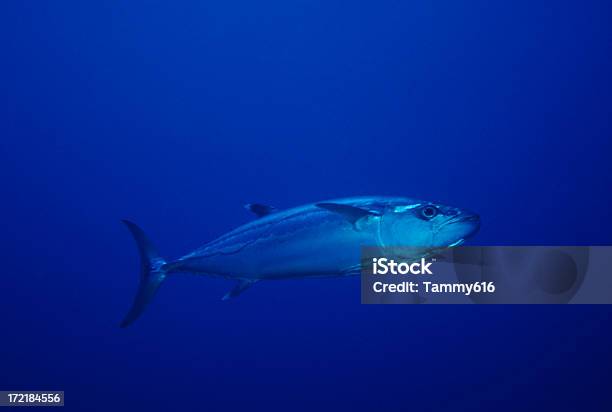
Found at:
[350, 213]
[240, 287]
[259, 209]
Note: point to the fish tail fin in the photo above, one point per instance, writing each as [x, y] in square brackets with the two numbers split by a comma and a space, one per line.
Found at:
[152, 273]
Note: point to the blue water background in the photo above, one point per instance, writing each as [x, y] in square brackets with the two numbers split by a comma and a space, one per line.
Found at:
[174, 114]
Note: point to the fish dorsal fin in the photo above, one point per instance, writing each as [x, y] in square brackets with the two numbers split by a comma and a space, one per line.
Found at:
[259, 209]
[350, 213]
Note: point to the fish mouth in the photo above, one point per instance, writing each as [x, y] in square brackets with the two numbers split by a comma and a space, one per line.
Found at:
[469, 218]
[474, 220]
[472, 217]
[470, 223]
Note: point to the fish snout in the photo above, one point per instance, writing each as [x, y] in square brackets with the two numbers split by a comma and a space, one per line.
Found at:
[471, 222]
[456, 229]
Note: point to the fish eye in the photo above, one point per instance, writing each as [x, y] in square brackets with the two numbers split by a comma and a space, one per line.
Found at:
[429, 212]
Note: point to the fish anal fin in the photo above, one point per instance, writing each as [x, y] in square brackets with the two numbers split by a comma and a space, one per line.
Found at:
[240, 287]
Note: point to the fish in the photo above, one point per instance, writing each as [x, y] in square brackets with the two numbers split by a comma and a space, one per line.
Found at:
[322, 239]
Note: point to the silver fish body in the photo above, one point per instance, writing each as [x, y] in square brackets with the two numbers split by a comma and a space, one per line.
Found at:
[316, 240]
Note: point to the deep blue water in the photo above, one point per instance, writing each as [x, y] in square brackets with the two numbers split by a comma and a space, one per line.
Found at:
[174, 114]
